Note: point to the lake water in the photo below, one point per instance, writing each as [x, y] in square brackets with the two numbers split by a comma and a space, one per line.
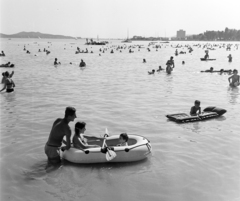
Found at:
[190, 162]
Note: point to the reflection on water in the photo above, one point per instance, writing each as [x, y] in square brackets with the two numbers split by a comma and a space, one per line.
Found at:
[233, 93]
[169, 84]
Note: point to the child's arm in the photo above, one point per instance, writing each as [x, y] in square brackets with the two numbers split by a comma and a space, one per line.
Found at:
[230, 78]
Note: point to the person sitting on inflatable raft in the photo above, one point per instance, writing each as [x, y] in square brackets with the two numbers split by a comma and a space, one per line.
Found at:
[79, 141]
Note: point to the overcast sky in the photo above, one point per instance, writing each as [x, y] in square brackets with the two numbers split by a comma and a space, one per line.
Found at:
[117, 18]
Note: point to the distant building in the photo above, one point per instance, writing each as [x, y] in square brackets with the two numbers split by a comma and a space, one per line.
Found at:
[181, 34]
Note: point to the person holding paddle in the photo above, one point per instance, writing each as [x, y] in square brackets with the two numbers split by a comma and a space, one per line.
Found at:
[79, 141]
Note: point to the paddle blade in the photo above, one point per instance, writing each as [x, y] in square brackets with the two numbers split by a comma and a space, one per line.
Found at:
[110, 155]
[106, 131]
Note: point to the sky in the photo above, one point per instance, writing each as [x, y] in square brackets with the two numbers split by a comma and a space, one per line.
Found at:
[118, 18]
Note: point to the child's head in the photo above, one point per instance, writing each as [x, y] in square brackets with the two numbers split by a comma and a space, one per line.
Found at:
[80, 127]
[123, 137]
[235, 71]
[197, 103]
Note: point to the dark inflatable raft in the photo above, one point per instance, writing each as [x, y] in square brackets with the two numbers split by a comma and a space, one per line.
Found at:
[203, 59]
[208, 113]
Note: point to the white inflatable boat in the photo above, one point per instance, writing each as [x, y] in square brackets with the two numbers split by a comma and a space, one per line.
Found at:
[138, 148]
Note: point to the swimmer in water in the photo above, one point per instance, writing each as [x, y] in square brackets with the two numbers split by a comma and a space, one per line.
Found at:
[56, 62]
[60, 129]
[234, 79]
[159, 69]
[208, 71]
[9, 84]
[4, 77]
[229, 58]
[169, 68]
[3, 54]
[82, 63]
[150, 73]
[171, 62]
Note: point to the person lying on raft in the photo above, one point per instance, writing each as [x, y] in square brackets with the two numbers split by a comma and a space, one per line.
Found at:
[196, 108]
[123, 138]
[208, 71]
[234, 78]
[79, 140]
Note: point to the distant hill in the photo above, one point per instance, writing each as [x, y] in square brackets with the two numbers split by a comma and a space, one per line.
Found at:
[36, 35]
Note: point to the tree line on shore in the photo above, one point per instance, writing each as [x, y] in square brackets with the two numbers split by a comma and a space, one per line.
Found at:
[226, 35]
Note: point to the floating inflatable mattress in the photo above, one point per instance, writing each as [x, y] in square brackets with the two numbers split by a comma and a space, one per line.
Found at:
[208, 113]
[202, 59]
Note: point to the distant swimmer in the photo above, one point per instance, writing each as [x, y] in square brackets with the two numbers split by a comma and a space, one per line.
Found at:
[169, 68]
[229, 58]
[3, 54]
[8, 84]
[176, 52]
[28, 52]
[159, 69]
[150, 73]
[82, 63]
[56, 62]
[208, 71]
[144, 60]
[234, 79]
[183, 62]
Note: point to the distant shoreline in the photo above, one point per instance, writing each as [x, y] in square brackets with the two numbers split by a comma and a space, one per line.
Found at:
[36, 35]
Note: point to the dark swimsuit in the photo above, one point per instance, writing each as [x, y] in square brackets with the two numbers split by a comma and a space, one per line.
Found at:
[11, 89]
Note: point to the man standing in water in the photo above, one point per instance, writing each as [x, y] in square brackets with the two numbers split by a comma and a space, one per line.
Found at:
[171, 62]
[60, 129]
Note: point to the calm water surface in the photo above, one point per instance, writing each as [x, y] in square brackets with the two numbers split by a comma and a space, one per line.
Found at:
[190, 162]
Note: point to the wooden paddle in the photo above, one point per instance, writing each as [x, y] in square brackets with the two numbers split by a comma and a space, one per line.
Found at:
[110, 154]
